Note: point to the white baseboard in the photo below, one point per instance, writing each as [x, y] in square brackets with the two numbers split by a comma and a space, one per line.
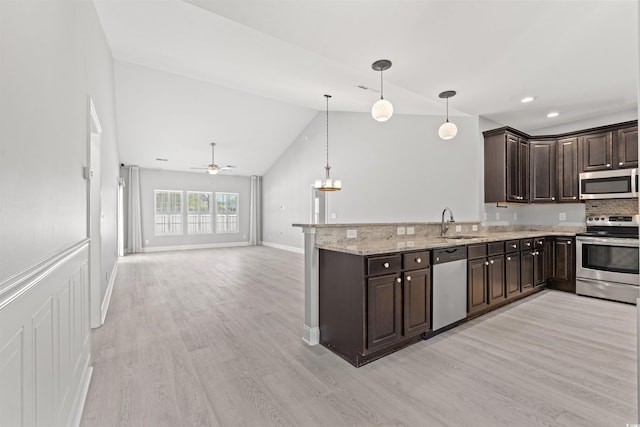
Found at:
[81, 398]
[189, 247]
[107, 295]
[311, 336]
[284, 247]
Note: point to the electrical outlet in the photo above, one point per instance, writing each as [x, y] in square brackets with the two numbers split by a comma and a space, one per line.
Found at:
[400, 231]
[563, 216]
[352, 234]
[515, 215]
[458, 228]
[474, 227]
[410, 231]
[334, 215]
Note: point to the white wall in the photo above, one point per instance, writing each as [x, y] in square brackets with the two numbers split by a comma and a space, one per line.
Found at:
[151, 180]
[399, 170]
[53, 57]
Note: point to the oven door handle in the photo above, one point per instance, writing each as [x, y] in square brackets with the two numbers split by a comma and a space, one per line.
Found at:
[631, 243]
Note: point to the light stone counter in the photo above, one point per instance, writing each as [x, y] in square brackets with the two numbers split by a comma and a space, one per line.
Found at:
[400, 244]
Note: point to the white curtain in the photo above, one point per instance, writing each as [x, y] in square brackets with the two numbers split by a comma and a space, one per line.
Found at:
[255, 219]
[134, 224]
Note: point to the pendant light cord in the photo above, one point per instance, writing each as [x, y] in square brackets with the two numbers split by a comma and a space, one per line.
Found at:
[381, 86]
[327, 167]
[447, 108]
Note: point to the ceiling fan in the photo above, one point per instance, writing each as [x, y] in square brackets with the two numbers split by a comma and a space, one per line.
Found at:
[213, 168]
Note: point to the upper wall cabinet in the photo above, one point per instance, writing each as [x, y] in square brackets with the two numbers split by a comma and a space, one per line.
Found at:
[613, 149]
[506, 167]
[545, 169]
[627, 141]
[542, 171]
[567, 170]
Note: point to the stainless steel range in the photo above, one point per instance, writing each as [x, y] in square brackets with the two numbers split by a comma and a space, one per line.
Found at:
[607, 258]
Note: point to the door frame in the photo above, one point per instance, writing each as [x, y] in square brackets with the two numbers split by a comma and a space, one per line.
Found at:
[94, 130]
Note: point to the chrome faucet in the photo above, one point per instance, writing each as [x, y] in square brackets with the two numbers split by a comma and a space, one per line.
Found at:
[444, 226]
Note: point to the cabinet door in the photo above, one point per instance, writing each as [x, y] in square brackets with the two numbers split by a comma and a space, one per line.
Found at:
[523, 173]
[526, 270]
[542, 156]
[476, 285]
[627, 141]
[384, 309]
[417, 301]
[548, 258]
[563, 266]
[567, 161]
[513, 169]
[538, 268]
[512, 274]
[495, 279]
[596, 151]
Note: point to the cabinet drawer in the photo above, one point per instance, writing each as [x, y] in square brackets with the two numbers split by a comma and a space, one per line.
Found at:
[476, 251]
[415, 260]
[495, 248]
[526, 244]
[383, 264]
[512, 245]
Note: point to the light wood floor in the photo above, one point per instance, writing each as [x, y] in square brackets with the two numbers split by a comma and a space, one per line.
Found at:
[212, 338]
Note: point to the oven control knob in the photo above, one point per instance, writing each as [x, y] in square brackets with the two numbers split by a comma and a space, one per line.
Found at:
[590, 219]
[597, 218]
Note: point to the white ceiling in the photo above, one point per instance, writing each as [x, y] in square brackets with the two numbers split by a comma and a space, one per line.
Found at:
[576, 57]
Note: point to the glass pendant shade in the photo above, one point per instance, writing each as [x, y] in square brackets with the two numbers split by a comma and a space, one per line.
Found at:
[448, 130]
[382, 110]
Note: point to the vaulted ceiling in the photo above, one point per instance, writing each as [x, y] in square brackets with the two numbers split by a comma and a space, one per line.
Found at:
[250, 74]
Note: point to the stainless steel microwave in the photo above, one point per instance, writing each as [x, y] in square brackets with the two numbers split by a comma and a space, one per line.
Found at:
[611, 184]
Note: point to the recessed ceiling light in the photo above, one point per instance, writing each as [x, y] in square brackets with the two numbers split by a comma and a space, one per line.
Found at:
[527, 99]
[553, 114]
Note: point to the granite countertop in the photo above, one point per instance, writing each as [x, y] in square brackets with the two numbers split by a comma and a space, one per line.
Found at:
[401, 244]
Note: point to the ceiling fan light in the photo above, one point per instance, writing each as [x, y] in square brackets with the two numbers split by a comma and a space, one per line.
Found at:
[382, 110]
[448, 130]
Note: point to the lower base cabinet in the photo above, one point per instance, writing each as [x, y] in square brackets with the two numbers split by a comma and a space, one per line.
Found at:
[563, 277]
[372, 306]
[512, 274]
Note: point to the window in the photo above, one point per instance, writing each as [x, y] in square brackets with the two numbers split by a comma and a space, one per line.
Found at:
[199, 218]
[168, 212]
[227, 213]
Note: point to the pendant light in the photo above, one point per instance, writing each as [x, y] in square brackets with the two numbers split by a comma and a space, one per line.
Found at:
[328, 184]
[382, 110]
[448, 130]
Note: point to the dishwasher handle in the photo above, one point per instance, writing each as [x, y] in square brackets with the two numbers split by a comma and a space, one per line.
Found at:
[450, 254]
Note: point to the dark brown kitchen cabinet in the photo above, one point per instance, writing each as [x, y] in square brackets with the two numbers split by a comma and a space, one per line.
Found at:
[627, 144]
[597, 151]
[417, 301]
[542, 155]
[539, 272]
[506, 156]
[476, 285]
[370, 306]
[526, 270]
[512, 274]
[496, 279]
[567, 170]
[563, 277]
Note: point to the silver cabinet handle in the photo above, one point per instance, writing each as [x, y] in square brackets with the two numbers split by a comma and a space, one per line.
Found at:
[514, 246]
[386, 265]
[408, 278]
[486, 263]
[418, 260]
[574, 197]
[491, 262]
[568, 242]
[621, 163]
[398, 280]
[508, 258]
[438, 258]
[553, 198]
[528, 244]
[608, 165]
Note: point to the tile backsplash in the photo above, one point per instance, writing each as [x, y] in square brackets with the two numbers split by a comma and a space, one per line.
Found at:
[611, 206]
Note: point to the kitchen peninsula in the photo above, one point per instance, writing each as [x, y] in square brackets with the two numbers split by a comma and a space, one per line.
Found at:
[369, 287]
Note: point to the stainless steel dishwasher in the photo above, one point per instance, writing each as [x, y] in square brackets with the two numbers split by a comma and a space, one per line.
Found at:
[449, 286]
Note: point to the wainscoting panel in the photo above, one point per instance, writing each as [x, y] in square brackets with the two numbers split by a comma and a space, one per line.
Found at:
[45, 342]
